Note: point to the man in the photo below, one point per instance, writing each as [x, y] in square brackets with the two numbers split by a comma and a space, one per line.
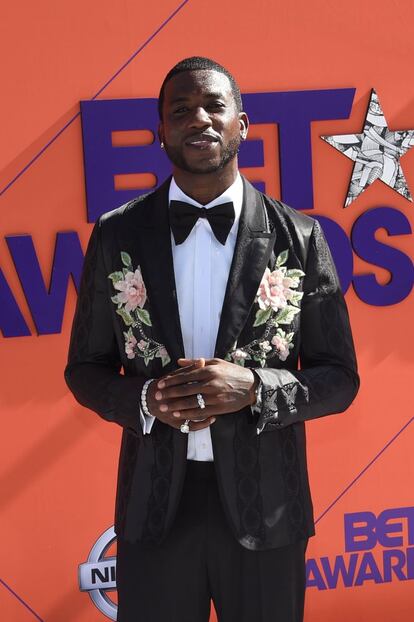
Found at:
[187, 290]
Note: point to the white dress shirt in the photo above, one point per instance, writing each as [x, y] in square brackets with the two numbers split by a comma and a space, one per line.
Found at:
[201, 268]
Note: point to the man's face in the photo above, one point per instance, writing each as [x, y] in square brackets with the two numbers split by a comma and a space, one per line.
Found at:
[201, 128]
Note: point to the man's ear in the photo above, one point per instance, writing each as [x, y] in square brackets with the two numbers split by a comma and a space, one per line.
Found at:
[244, 125]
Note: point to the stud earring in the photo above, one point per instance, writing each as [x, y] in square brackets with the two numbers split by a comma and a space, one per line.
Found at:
[162, 145]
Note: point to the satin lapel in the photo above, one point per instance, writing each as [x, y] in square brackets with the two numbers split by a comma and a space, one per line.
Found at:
[253, 248]
[151, 233]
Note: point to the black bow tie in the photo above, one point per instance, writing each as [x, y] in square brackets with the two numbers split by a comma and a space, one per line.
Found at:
[183, 217]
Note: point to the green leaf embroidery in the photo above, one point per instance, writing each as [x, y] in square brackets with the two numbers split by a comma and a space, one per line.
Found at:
[116, 276]
[144, 316]
[296, 298]
[286, 315]
[126, 260]
[260, 359]
[128, 335]
[262, 315]
[128, 320]
[148, 358]
[282, 258]
[294, 273]
[165, 360]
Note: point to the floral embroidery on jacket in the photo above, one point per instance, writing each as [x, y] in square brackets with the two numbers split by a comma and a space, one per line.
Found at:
[278, 302]
[130, 299]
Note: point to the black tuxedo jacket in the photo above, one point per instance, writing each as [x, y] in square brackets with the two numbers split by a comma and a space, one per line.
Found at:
[262, 477]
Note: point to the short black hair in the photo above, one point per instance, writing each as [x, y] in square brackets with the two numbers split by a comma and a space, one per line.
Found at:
[197, 63]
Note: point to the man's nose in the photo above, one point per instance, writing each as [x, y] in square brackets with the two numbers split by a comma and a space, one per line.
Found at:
[201, 118]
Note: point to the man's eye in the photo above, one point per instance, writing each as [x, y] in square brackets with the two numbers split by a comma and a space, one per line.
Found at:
[216, 105]
[180, 110]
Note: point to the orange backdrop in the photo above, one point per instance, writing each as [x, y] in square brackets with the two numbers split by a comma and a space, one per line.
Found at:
[57, 460]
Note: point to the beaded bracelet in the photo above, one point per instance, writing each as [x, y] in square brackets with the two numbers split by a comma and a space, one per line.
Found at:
[144, 404]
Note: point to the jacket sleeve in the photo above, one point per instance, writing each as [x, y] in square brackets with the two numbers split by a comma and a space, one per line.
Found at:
[93, 372]
[328, 380]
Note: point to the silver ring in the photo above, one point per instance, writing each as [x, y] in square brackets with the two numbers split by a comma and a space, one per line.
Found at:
[200, 400]
[184, 427]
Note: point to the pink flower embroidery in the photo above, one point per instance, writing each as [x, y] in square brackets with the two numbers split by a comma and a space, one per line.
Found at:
[275, 289]
[130, 301]
[282, 346]
[130, 345]
[239, 355]
[162, 352]
[278, 300]
[132, 290]
[265, 347]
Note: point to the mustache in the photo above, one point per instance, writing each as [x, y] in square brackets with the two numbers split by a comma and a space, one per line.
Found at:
[211, 136]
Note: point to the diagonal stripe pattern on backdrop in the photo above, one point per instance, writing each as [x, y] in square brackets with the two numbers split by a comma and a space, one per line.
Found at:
[107, 83]
[21, 600]
[44, 148]
[364, 470]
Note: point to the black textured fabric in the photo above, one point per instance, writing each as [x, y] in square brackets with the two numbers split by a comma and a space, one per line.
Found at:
[247, 476]
[262, 478]
[327, 356]
[201, 560]
[160, 485]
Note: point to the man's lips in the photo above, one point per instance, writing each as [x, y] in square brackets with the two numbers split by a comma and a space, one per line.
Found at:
[202, 141]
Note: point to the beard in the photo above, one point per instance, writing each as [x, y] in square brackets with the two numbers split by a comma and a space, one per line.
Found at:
[228, 153]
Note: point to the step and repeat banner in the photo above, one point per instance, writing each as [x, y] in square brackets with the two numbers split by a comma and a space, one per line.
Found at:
[328, 91]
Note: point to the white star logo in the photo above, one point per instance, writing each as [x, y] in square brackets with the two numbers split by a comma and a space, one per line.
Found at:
[376, 153]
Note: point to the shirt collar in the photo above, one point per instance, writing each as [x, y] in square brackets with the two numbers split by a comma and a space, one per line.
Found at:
[234, 193]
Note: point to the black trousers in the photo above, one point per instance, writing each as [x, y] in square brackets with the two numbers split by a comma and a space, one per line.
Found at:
[201, 560]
